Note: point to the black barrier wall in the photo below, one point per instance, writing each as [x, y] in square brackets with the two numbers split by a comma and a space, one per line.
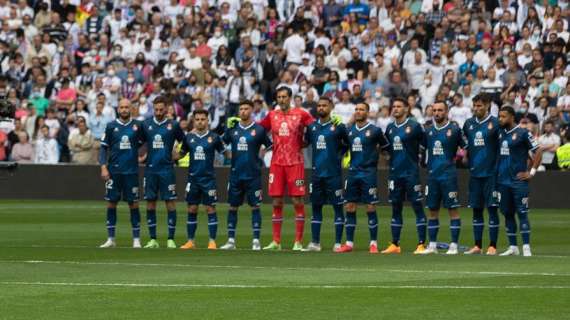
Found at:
[69, 182]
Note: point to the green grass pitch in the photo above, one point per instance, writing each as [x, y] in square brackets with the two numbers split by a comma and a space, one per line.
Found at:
[51, 268]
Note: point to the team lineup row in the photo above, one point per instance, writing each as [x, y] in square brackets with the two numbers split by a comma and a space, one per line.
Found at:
[497, 153]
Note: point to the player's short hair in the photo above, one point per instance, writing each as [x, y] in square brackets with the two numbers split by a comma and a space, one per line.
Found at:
[327, 99]
[158, 100]
[508, 109]
[366, 104]
[246, 102]
[482, 97]
[400, 99]
[200, 111]
[286, 89]
[442, 102]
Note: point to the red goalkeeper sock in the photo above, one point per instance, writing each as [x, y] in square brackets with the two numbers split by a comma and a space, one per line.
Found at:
[277, 220]
[299, 222]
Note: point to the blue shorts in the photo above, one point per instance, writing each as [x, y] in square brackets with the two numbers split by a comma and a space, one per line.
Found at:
[201, 190]
[483, 192]
[248, 188]
[125, 186]
[408, 188]
[164, 182]
[326, 190]
[513, 198]
[442, 190]
[361, 189]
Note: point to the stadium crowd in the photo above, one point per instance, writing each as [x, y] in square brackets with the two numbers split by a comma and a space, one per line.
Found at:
[66, 64]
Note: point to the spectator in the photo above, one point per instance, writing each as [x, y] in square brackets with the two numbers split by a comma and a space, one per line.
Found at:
[549, 141]
[23, 151]
[82, 144]
[46, 148]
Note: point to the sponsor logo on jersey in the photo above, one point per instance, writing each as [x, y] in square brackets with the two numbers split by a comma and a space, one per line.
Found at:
[125, 143]
[284, 130]
[199, 154]
[157, 143]
[505, 148]
[356, 145]
[242, 144]
[321, 143]
[437, 148]
[397, 145]
[479, 141]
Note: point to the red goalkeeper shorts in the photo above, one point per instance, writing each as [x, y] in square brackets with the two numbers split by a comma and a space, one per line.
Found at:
[292, 177]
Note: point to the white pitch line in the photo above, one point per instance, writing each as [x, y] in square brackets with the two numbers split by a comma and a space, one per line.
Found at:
[249, 286]
[182, 265]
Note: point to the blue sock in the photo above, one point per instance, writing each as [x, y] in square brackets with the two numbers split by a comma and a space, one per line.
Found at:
[256, 222]
[433, 228]
[232, 223]
[111, 222]
[493, 226]
[373, 225]
[171, 224]
[524, 225]
[151, 220]
[191, 225]
[455, 228]
[420, 221]
[397, 221]
[136, 222]
[338, 223]
[478, 225]
[316, 222]
[511, 226]
[212, 225]
[350, 226]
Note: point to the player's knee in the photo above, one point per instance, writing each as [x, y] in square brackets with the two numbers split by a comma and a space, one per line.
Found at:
[151, 205]
[192, 209]
[454, 213]
[133, 205]
[350, 207]
[370, 207]
[298, 200]
[112, 205]
[170, 205]
[278, 202]
[210, 209]
[433, 213]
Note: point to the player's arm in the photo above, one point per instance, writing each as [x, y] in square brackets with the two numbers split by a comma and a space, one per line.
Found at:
[142, 157]
[266, 122]
[177, 155]
[536, 157]
[103, 152]
[465, 159]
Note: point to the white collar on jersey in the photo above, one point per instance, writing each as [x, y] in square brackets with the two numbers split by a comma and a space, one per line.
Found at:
[401, 124]
[124, 124]
[159, 123]
[249, 126]
[436, 128]
[324, 124]
[513, 129]
[364, 127]
[201, 136]
[484, 120]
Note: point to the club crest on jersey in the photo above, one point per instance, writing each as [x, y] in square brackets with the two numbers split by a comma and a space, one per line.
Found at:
[367, 133]
[449, 132]
[135, 127]
[235, 133]
[210, 140]
[333, 127]
[408, 129]
[471, 127]
[116, 130]
[490, 126]
[514, 136]
[253, 133]
[169, 126]
[150, 127]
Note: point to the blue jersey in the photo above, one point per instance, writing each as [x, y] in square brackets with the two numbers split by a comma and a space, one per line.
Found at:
[245, 143]
[364, 145]
[514, 146]
[123, 141]
[160, 138]
[482, 139]
[202, 149]
[405, 140]
[328, 143]
[442, 144]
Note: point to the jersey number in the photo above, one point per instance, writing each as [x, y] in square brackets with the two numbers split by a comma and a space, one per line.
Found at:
[109, 184]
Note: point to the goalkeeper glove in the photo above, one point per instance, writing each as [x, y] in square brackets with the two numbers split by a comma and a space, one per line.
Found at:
[232, 121]
[336, 120]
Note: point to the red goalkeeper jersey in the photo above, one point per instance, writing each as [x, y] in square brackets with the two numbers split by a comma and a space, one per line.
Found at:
[287, 130]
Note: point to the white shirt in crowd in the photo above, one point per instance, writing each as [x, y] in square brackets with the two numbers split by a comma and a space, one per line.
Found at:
[294, 46]
[344, 111]
[47, 151]
[460, 114]
[548, 140]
